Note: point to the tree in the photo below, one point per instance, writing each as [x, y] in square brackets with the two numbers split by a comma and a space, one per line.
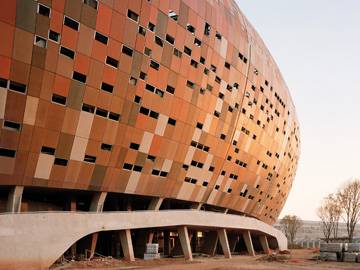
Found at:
[349, 198]
[329, 213]
[290, 225]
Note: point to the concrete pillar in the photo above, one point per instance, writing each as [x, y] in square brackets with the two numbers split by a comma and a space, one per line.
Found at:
[126, 244]
[264, 243]
[185, 242]
[97, 202]
[224, 243]
[210, 243]
[233, 240]
[248, 243]
[167, 247]
[226, 211]
[97, 205]
[155, 204]
[196, 205]
[72, 206]
[14, 199]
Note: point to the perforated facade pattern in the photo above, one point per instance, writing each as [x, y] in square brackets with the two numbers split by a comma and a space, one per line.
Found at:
[170, 98]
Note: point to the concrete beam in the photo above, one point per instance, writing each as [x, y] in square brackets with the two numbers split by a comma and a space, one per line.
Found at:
[248, 243]
[224, 243]
[264, 243]
[14, 199]
[185, 242]
[126, 244]
[155, 204]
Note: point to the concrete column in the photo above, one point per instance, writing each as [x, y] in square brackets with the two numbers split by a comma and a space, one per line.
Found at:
[185, 242]
[196, 205]
[72, 205]
[226, 211]
[248, 243]
[97, 205]
[167, 247]
[264, 243]
[155, 205]
[210, 243]
[224, 243]
[126, 244]
[14, 199]
[97, 202]
[233, 240]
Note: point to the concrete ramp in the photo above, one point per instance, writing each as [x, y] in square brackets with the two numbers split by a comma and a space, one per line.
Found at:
[37, 240]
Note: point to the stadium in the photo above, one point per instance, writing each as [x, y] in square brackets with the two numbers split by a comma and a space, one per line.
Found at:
[136, 121]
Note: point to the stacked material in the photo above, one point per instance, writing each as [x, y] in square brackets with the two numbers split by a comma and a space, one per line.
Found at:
[350, 256]
[328, 256]
[331, 251]
[152, 252]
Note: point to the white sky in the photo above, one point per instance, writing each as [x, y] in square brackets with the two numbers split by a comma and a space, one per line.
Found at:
[317, 47]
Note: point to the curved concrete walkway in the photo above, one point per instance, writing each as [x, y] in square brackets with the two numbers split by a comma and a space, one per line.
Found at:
[37, 240]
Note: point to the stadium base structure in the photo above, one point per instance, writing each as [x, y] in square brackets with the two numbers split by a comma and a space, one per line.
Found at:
[37, 240]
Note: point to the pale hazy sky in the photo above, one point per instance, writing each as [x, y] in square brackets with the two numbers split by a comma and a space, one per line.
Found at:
[316, 44]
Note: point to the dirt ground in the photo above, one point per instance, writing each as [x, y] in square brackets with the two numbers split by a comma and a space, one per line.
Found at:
[304, 259]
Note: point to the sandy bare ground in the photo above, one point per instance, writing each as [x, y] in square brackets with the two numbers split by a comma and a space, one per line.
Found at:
[298, 260]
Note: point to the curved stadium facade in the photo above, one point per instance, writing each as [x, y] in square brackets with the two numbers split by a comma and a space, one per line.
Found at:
[141, 105]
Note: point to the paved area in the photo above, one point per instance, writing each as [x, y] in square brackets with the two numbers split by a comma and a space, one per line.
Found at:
[298, 260]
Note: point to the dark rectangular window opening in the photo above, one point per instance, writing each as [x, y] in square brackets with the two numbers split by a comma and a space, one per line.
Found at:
[144, 110]
[149, 87]
[150, 157]
[88, 108]
[142, 75]
[163, 174]
[48, 150]
[106, 147]
[137, 168]
[58, 99]
[170, 89]
[12, 125]
[79, 77]
[207, 29]
[227, 65]
[155, 172]
[190, 84]
[132, 15]
[67, 52]
[127, 166]
[170, 39]
[159, 41]
[107, 87]
[137, 99]
[142, 30]
[114, 116]
[187, 50]
[89, 158]
[173, 15]
[60, 162]
[199, 125]
[101, 38]
[151, 27]
[18, 87]
[197, 42]
[127, 51]
[218, 35]
[71, 23]
[159, 92]
[177, 53]
[154, 115]
[134, 146]
[54, 36]
[171, 121]
[194, 63]
[91, 3]
[4, 152]
[43, 10]
[190, 28]
[3, 83]
[112, 62]
[101, 112]
[40, 42]
[154, 65]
